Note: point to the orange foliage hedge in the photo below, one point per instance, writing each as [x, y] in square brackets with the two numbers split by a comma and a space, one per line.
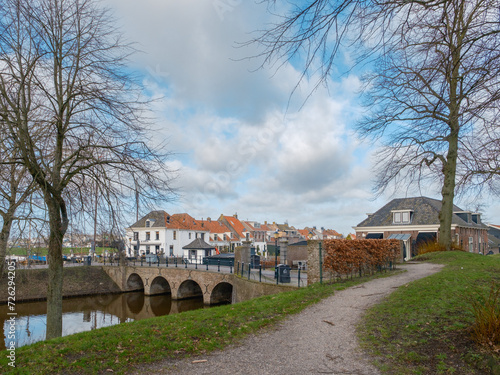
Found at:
[348, 256]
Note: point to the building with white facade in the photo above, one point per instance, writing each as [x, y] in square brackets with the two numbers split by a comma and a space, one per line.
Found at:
[161, 233]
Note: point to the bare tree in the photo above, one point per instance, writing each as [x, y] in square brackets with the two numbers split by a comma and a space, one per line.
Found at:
[75, 114]
[433, 92]
[15, 187]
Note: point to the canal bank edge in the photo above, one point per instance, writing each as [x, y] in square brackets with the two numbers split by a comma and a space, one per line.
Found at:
[31, 284]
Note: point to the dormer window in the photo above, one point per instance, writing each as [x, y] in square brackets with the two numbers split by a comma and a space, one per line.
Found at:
[402, 216]
[148, 223]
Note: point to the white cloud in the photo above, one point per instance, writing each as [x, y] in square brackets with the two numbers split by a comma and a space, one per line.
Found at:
[241, 142]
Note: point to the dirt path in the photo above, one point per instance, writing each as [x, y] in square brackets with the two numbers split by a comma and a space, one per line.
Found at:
[319, 340]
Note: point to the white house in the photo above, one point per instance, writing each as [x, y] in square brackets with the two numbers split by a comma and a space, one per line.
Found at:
[164, 234]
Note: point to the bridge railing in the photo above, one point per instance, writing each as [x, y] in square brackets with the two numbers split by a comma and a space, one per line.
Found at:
[273, 275]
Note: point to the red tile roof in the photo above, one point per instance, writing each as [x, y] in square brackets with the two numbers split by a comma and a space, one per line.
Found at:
[236, 225]
[214, 226]
[183, 221]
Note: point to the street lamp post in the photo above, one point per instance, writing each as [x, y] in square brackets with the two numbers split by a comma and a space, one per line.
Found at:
[276, 235]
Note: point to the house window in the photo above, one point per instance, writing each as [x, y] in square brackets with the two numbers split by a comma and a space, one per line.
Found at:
[157, 249]
[148, 223]
[175, 235]
[190, 235]
[401, 217]
[471, 244]
[148, 236]
[157, 235]
[136, 236]
[196, 235]
[147, 250]
[171, 250]
[216, 238]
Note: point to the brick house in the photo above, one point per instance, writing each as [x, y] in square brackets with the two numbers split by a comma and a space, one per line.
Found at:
[494, 238]
[416, 220]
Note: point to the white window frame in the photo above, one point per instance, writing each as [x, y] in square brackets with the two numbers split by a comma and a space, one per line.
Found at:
[398, 218]
[401, 217]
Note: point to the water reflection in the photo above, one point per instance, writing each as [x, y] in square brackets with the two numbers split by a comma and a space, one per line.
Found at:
[88, 313]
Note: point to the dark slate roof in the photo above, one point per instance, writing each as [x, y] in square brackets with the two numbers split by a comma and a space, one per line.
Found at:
[493, 241]
[300, 243]
[198, 244]
[425, 212]
[159, 217]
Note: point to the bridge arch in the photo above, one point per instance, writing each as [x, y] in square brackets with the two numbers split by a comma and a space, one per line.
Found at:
[134, 282]
[222, 293]
[189, 289]
[159, 285]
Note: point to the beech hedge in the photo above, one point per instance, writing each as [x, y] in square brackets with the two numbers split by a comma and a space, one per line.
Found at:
[345, 257]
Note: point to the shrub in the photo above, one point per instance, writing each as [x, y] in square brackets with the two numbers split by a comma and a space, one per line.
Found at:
[345, 257]
[486, 309]
[433, 246]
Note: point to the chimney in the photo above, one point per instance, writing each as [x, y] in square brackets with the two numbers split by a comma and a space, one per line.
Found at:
[209, 220]
[235, 215]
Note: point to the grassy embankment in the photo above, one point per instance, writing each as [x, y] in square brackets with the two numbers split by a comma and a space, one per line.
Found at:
[120, 347]
[424, 327]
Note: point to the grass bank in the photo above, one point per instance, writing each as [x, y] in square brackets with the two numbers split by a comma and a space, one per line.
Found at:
[424, 327]
[118, 348]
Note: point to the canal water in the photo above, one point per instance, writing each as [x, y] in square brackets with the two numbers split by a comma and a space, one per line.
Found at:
[88, 313]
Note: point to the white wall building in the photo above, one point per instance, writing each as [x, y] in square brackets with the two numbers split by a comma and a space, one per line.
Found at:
[161, 233]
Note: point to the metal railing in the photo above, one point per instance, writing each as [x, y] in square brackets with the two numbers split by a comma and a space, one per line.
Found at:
[273, 275]
[259, 273]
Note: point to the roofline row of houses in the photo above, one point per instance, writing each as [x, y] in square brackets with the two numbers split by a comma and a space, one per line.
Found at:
[158, 232]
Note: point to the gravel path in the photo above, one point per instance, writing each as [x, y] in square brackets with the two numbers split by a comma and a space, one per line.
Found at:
[319, 340]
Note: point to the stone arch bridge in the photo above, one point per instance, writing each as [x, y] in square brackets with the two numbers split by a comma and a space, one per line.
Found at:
[181, 283]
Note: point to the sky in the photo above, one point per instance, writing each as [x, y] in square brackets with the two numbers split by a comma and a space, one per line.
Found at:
[241, 143]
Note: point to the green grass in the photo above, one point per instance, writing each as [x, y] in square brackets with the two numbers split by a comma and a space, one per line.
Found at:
[119, 347]
[424, 327]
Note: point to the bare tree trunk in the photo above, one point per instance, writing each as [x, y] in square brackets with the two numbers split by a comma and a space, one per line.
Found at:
[450, 165]
[58, 226]
[4, 239]
[448, 193]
